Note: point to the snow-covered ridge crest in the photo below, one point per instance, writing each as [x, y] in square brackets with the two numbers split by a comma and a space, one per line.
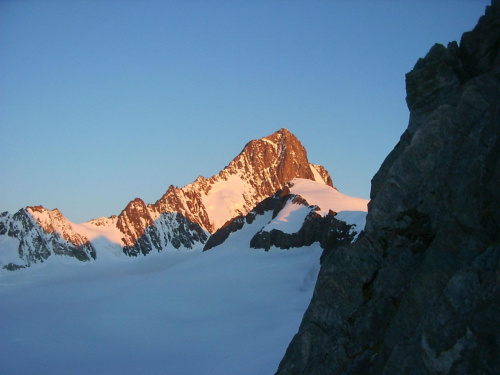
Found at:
[326, 197]
[323, 198]
[302, 213]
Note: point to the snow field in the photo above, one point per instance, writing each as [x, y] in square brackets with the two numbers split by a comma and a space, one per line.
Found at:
[226, 311]
[290, 219]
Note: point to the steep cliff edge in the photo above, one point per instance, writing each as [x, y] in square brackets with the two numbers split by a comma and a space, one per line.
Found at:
[419, 292]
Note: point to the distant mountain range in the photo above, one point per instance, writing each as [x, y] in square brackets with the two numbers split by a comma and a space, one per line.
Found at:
[275, 166]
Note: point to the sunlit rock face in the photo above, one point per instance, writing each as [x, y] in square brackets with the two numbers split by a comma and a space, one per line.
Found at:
[263, 167]
[419, 291]
[32, 234]
[143, 234]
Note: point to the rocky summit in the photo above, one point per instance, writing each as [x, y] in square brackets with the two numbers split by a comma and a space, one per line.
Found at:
[262, 168]
[419, 291]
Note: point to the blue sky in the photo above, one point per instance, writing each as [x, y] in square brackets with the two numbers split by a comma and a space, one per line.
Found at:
[105, 101]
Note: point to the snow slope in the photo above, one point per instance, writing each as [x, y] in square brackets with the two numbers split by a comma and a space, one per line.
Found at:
[352, 210]
[225, 198]
[289, 219]
[231, 310]
[103, 234]
[326, 197]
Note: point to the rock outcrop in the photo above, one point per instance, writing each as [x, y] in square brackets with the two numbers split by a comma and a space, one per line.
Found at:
[36, 233]
[327, 230]
[419, 291]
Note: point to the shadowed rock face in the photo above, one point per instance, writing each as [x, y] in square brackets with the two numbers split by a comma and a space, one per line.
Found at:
[419, 292]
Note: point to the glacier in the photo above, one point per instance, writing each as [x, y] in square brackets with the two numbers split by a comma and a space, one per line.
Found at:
[225, 311]
[229, 310]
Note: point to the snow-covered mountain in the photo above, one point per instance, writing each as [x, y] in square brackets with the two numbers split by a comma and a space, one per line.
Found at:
[263, 167]
[230, 310]
[182, 217]
[33, 234]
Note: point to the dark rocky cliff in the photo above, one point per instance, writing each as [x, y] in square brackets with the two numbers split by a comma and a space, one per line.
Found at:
[419, 292]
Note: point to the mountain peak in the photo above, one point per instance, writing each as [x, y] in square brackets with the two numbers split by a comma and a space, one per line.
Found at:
[134, 220]
[283, 133]
[280, 137]
[263, 167]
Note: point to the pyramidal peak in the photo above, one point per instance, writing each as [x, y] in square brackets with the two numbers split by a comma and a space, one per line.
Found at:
[263, 167]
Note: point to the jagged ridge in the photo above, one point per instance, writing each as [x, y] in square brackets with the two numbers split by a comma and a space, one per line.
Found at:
[263, 167]
[40, 233]
[182, 217]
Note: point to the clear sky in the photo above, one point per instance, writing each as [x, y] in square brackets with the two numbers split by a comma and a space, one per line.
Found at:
[105, 101]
